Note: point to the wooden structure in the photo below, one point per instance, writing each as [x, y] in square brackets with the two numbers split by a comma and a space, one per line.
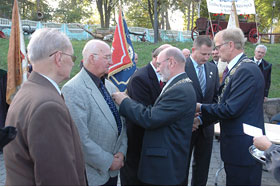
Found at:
[203, 27]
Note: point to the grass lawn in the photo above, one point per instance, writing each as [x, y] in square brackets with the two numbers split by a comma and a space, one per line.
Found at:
[144, 51]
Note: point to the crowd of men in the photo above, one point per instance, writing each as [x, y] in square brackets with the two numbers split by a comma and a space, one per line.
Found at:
[88, 132]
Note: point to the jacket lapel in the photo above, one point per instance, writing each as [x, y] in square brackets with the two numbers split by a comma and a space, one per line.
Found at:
[98, 98]
[153, 77]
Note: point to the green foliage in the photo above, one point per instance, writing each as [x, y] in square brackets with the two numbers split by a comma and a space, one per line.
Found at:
[72, 11]
[144, 51]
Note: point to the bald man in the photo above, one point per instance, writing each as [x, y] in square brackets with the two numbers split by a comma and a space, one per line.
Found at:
[102, 131]
[144, 87]
[167, 124]
[186, 52]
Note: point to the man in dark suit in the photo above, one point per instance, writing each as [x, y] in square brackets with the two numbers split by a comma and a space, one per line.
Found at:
[143, 87]
[215, 57]
[3, 105]
[167, 123]
[240, 101]
[47, 149]
[205, 78]
[264, 66]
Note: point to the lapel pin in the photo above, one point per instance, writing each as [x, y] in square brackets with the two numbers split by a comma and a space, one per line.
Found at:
[211, 73]
[210, 76]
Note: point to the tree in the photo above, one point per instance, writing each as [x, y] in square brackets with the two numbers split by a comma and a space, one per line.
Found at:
[105, 8]
[72, 11]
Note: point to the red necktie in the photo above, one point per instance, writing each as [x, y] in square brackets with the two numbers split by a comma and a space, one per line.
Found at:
[161, 84]
[225, 73]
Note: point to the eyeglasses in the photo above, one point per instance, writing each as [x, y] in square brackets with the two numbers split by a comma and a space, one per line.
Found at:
[218, 47]
[158, 63]
[106, 57]
[72, 56]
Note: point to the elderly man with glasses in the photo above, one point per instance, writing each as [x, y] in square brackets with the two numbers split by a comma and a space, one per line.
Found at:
[240, 101]
[102, 131]
[47, 149]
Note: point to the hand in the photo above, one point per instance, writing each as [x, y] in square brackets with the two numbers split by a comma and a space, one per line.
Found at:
[119, 97]
[265, 99]
[117, 162]
[196, 124]
[198, 105]
[262, 143]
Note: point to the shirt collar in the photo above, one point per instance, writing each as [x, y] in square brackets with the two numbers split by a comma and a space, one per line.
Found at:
[169, 81]
[53, 83]
[234, 61]
[154, 68]
[257, 61]
[195, 64]
[95, 79]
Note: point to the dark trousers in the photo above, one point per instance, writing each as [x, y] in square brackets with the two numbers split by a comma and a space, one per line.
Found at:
[128, 175]
[201, 147]
[243, 175]
[113, 181]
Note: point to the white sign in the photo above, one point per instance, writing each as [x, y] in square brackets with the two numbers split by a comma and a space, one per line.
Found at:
[224, 6]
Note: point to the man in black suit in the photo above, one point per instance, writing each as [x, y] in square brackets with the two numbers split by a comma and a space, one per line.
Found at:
[143, 87]
[205, 78]
[215, 57]
[240, 101]
[264, 66]
[167, 123]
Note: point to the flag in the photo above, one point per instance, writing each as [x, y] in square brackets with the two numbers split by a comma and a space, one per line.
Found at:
[17, 60]
[122, 56]
[233, 18]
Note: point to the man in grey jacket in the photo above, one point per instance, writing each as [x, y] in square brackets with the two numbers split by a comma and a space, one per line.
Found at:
[102, 132]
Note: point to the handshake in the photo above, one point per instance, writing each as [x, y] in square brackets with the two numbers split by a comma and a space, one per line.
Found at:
[196, 121]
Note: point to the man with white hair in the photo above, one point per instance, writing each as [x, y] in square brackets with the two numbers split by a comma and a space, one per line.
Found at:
[102, 132]
[167, 123]
[240, 101]
[47, 149]
[264, 66]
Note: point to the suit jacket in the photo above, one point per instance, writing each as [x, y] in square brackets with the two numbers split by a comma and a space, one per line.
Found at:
[212, 88]
[212, 62]
[96, 125]
[272, 162]
[144, 88]
[168, 128]
[241, 102]
[3, 105]
[265, 68]
[47, 149]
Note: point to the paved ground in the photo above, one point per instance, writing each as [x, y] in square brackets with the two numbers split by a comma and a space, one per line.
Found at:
[267, 179]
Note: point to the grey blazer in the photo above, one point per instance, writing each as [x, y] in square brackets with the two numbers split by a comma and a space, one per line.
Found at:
[96, 125]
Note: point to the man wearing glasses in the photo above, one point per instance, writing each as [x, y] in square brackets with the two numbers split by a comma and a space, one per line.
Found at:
[102, 131]
[240, 101]
[47, 149]
[167, 123]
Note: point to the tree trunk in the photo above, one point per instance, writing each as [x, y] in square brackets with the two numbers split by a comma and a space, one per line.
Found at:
[167, 20]
[100, 11]
[162, 20]
[156, 22]
[150, 10]
[189, 16]
[193, 6]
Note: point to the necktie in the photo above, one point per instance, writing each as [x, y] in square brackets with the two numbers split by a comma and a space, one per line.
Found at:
[201, 78]
[225, 73]
[112, 107]
[161, 84]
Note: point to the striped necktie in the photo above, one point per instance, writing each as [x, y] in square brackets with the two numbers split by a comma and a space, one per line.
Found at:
[225, 73]
[112, 106]
[201, 79]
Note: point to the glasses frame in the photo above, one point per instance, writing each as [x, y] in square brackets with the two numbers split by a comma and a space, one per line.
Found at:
[104, 56]
[218, 47]
[73, 57]
[158, 63]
